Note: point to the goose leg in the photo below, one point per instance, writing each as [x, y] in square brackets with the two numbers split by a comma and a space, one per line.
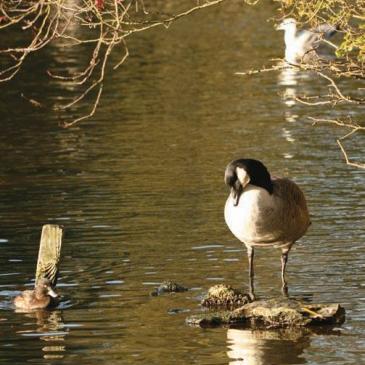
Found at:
[284, 260]
[250, 255]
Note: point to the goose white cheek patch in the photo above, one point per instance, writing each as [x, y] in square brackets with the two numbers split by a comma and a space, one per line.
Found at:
[242, 176]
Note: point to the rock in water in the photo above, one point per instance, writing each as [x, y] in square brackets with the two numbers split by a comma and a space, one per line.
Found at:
[168, 287]
[288, 312]
[223, 296]
[273, 313]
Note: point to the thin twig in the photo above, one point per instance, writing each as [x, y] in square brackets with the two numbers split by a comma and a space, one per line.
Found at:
[353, 129]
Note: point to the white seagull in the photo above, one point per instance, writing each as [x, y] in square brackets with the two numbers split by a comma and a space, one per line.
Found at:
[301, 46]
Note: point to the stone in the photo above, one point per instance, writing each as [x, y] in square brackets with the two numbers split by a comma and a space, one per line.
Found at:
[270, 313]
[223, 296]
[168, 286]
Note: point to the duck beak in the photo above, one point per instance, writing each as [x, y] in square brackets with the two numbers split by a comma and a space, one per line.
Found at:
[279, 27]
[52, 293]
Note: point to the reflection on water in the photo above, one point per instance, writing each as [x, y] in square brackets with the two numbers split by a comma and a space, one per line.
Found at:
[288, 82]
[44, 326]
[139, 189]
[260, 347]
[288, 79]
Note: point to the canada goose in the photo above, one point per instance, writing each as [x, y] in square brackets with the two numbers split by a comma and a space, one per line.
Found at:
[38, 298]
[302, 46]
[263, 211]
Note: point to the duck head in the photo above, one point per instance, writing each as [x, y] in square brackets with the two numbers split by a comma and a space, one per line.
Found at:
[240, 173]
[44, 288]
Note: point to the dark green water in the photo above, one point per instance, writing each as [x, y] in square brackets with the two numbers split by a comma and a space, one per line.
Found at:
[139, 189]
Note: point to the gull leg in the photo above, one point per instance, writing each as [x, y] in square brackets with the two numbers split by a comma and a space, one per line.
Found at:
[250, 255]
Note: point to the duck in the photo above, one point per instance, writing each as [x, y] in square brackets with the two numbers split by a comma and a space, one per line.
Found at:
[39, 298]
[301, 46]
[264, 211]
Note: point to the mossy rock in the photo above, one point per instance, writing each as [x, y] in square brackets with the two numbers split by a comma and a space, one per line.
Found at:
[168, 286]
[223, 296]
[273, 313]
[289, 312]
[214, 319]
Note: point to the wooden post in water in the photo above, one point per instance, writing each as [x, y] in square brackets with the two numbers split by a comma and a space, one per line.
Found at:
[49, 253]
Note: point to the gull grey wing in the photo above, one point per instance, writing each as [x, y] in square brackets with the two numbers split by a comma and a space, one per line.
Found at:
[49, 253]
[327, 30]
[307, 40]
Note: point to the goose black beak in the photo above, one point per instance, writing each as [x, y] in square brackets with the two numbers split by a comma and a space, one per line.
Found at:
[230, 176]
[231, 180]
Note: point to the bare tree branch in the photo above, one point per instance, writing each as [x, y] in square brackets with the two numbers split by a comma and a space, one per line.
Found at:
[108, 24]
[354, 127]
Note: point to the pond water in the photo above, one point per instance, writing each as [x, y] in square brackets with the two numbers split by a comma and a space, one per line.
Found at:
[139, 189]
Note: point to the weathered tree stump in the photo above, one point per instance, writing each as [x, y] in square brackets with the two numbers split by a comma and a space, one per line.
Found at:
[272, 313]
[49, 253]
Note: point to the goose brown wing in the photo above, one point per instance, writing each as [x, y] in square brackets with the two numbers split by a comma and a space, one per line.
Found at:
[289, 191]
[293, 211]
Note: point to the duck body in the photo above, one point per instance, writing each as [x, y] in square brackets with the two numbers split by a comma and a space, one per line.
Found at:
[266, 220]
[39, 298]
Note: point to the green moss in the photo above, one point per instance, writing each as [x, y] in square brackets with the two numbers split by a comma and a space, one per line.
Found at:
[224, 296]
